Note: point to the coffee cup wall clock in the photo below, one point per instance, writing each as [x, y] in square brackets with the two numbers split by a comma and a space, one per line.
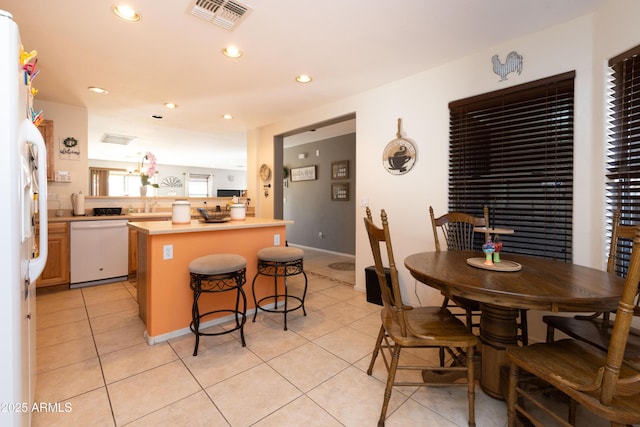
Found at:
[399, 155]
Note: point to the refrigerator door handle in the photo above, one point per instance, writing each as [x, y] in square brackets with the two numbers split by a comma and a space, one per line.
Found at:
[32, 135]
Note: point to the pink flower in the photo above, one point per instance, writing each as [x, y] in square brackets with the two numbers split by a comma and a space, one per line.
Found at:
[150, 171]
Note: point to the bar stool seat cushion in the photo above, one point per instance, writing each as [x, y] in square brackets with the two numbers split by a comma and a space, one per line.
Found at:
[280, 254]
[217, 264]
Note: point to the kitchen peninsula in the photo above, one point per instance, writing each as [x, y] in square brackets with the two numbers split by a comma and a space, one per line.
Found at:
[164, 253]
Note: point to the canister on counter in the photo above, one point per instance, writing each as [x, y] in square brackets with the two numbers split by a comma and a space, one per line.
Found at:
[238, 211]
[181, 212]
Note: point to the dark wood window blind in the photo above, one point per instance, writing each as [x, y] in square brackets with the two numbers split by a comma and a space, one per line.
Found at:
[623, 147]
[513, 151]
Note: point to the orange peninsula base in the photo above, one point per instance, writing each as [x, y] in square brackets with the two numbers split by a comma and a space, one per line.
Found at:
[164, 296]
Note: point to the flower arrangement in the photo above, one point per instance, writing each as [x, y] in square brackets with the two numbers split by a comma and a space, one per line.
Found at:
[150, 171]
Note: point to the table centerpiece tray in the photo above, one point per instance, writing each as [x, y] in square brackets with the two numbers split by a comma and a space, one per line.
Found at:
[504, 265]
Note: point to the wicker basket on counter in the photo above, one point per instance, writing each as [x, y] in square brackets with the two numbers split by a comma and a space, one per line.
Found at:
[215, 215]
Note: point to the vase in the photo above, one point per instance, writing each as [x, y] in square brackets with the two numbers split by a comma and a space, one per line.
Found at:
[143, 191]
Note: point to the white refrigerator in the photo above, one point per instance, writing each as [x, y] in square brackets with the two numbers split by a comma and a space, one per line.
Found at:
[23, 197]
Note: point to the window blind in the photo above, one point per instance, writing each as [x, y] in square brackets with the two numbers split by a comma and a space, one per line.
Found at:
[513, 151]
[623, 147]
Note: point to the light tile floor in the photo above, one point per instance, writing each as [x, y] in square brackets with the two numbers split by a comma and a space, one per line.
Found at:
[92, 355]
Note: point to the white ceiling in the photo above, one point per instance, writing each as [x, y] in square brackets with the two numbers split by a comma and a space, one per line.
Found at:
[347, 46]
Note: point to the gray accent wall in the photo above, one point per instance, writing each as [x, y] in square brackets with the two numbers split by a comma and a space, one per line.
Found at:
[309, 203]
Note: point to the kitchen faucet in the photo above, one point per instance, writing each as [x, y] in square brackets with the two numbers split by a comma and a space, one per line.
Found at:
[150, 207]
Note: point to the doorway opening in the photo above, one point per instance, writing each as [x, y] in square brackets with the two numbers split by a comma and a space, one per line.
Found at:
[317, 168]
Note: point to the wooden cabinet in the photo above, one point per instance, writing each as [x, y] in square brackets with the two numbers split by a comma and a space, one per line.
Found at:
[133, 253]
[46, 129]
[56, 271]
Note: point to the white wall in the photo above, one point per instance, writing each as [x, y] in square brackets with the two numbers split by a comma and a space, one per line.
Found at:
[67, 121]
[422, 101]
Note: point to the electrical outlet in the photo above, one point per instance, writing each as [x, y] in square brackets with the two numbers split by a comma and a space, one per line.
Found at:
[167, 252]
[364, 202]
[276, 240]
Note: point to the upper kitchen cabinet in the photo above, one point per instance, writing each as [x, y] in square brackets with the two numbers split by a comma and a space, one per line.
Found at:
[46, 129]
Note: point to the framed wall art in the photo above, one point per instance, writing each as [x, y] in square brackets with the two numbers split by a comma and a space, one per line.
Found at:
[340, 170]
[307, 173]
[340, 191]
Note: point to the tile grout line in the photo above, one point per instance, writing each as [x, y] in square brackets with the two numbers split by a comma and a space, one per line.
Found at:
[104, 380]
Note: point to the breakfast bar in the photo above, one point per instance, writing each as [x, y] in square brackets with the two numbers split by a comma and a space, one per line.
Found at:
[165, 250]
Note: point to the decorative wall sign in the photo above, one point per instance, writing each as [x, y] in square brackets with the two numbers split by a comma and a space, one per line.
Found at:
[340, 170]
[340, 191]
[307, 173]
[69, 148]
[399, 155]
[512, 63]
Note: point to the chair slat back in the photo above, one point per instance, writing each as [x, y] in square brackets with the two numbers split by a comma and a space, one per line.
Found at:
[618, 231]
[457, 229]
[390, 292]
[621, 326]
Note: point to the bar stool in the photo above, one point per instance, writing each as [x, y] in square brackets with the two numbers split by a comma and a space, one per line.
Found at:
[280, 261]
[214, 274]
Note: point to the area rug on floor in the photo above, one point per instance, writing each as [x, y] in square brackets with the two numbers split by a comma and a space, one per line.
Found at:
[343, 266]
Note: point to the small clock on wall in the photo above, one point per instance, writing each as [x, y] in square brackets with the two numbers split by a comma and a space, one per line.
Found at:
[265, 172]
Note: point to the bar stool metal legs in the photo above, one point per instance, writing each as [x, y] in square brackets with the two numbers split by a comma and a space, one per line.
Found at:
[280, 262]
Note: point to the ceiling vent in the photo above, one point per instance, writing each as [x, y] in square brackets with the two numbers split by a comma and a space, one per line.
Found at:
[111, 138]
[224, 13]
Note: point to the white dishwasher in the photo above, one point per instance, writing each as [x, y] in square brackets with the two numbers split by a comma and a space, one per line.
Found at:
[99, 252]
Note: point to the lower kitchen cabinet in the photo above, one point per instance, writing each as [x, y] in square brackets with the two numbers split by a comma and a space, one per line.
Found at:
[56, 271]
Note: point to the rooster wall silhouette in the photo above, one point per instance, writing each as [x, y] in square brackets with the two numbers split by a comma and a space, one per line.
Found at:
[513, 63]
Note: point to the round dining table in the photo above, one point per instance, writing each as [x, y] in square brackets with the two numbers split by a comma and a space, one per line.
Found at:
[529, 283]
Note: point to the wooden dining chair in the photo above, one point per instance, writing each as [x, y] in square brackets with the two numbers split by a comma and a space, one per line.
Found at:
[457, 229]
[404, 326]
[596, 329]
[600, 381]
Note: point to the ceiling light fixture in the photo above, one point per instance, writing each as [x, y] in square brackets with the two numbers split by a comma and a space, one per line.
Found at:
[227, 116]
[303, 78]
[232, 52]
[98, 90]
[111, 138]
[170, 105]
[127, 13]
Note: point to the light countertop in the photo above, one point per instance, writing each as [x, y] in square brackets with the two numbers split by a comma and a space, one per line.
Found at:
[196, 226]
[133, 216]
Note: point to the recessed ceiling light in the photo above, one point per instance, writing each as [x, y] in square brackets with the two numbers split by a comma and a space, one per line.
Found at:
[303, 78]
[170, 105]
[127, 13]
[98, 90]
[232, 52]
[227, 116]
